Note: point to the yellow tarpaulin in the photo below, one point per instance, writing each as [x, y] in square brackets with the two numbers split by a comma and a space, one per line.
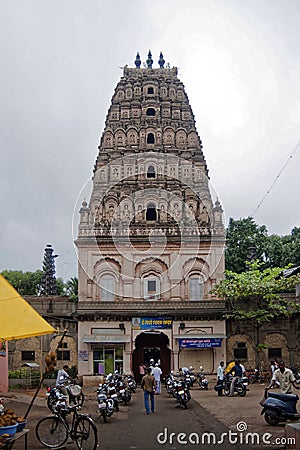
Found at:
[18, 319]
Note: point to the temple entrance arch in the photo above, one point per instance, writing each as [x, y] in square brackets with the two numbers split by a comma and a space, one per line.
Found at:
[151, 345]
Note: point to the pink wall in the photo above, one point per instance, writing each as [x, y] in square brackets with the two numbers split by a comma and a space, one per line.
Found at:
[4, 371]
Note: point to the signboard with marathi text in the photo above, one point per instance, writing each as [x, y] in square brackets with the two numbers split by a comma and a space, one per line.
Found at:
[151, 323]
[200, 343]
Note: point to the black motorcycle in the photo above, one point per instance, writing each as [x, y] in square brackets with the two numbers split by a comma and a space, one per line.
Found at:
[239, 386]
[181, 394]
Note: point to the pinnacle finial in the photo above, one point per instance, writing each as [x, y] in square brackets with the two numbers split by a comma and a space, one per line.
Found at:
[149, 60]
[137, 61]
[161, 61]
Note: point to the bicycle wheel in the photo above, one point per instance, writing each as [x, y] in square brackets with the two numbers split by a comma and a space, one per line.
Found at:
[51, 432]
[85, 433]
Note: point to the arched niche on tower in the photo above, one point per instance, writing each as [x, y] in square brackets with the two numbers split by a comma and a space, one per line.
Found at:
[107, 140]
[132, 136]
[168, 136]
[119, 138]
[192, 140]
[164, 91]
[151, 212]
[181, 139]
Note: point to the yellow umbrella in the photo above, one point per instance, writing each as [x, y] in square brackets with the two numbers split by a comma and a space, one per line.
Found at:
[18, 319]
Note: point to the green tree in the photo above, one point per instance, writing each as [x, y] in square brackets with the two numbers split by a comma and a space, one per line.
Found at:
[29, 283]
[26, 283]
[71, 288]
[244, 236]
[256, 295]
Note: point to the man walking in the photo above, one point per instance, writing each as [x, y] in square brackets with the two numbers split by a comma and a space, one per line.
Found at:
[148, 385]
[156, 372]
[285, 378]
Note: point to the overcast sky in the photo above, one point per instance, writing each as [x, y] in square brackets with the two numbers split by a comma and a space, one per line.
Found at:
[60, 63]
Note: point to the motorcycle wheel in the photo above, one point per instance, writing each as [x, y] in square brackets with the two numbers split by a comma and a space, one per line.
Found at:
[226, 389]
[50, 403]
[183, 403]
[103, 414]
[241, 390]
[271, 420]
[252, 379]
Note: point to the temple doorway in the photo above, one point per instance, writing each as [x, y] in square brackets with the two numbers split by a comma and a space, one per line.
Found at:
[151, 345]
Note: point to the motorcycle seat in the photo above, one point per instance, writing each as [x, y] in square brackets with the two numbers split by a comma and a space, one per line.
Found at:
[284, 397]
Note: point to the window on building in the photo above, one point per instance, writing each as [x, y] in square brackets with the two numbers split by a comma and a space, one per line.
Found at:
[150, 112]
[151, 213]
[107, 288]
[195, 288]
[151, 172]
[150, 90]
[151, 288]
[150, 138]
[28, 355]
[274, 352]
[63, 345]
[63, 355]
[108, 359]
[241, 351]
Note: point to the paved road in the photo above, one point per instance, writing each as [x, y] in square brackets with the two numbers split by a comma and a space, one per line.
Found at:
[132, 428]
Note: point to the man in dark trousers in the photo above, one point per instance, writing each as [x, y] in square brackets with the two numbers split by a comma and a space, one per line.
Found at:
[238, 372]
[220, 379]
[148, 385]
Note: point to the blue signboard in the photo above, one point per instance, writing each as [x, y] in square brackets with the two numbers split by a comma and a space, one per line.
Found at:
[200, 343]
[151, 323]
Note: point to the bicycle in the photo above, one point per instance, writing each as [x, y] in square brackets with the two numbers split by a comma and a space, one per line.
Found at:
[54, 431]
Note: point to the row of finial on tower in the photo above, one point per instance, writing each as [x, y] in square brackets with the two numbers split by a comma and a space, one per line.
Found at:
[149, 61]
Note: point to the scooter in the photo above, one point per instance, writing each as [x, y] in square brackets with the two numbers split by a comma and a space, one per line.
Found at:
[202, 380]
[279, 407]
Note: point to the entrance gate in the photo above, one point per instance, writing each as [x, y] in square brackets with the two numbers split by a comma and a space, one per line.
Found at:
[151, 345]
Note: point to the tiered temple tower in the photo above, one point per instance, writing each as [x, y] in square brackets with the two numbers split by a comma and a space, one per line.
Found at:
[151, 239]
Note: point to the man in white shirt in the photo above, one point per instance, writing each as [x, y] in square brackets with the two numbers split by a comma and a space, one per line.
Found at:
[285, 377]
[220, 374]
[62, 378]
[156, 372]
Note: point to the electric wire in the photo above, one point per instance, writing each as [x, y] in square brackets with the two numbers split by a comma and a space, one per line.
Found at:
[276, 178]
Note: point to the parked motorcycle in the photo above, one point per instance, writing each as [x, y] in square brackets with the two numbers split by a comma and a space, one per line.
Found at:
[202, 380]
[131, 383]
[54, 396]
[296, 374]
[239, 386]
[111, 391]
[105, 404]
[124, 394]
[279, 407]
[181, 393]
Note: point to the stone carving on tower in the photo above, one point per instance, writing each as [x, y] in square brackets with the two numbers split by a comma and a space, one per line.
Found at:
[152, 229]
